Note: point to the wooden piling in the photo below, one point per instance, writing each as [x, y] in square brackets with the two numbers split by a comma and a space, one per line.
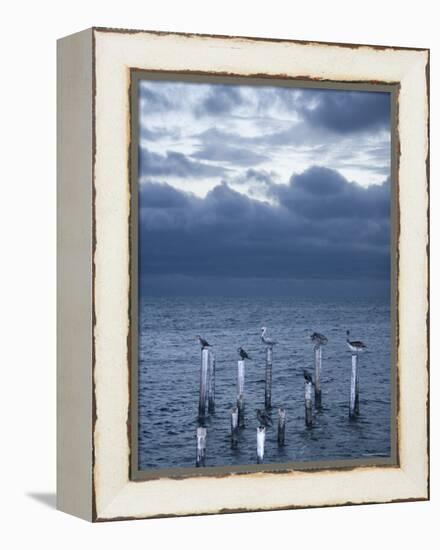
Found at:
[268, 388]
[240, 378]
[281, 427]
[318, 364]
[203, 382]
[211, 382]
[308, 404]
[261, 436]
[356, 404]
[240, 407]
[201, 447]
[234, 428]
[354, 387]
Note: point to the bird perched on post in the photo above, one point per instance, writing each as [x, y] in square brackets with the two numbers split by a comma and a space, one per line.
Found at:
[356, 346]
[264, 418]
[307, 377]
[318, 339]
[243, 354]
[203, 343]
[268, 341]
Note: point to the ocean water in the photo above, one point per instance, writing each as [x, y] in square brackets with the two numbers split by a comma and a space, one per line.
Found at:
[169, 374]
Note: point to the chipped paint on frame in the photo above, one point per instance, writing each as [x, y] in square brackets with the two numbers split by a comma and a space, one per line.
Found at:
[99, 424]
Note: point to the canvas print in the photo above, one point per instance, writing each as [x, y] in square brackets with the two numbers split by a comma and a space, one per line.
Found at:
[264, 275]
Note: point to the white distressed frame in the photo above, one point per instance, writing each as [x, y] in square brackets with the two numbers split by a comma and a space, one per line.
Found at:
[115, 495]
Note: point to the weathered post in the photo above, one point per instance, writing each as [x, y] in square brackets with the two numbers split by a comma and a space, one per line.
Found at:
[201, 447]
[203, 381]
[356, 405]
[268, 388]
[318, 363]
[261, 436]
[354, 387]
[281, 427]
[234, 428]
[211, 382]
[308, 403]
[240, 378]
[240, 407]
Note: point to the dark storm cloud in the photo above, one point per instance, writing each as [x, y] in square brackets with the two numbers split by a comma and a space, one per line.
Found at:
[159, 195]
[321, 193]
[322, 227]
[259, 176]
[220, 100]
[340, 111]
[322, 112]
[174, 164]
[317, 226]
[347, 112]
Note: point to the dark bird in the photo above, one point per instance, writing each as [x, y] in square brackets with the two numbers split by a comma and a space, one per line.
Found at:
[203, 343]
[264, 418]
[243, 354]
[318, 339]
[356, 346]
[307, 377]
[268, 341]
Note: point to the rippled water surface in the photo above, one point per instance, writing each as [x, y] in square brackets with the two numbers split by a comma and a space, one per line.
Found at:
[169, 373]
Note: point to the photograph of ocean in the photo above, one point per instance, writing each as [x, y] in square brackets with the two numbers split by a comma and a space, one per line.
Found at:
[263, 206]
[169, 374]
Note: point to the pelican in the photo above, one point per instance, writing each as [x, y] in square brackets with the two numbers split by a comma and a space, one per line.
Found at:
[318, 339]
[356, 346]
[268, 341]
[307, 377]
[203, 343]
[264, 418]
[243, 354]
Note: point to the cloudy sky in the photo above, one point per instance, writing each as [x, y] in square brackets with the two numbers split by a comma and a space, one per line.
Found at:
[263, 190]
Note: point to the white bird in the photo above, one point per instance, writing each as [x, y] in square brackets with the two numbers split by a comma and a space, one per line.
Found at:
[268, 341]
[356, 346]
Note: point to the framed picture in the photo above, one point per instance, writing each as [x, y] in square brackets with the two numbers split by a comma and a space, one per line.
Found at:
[243, 274]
